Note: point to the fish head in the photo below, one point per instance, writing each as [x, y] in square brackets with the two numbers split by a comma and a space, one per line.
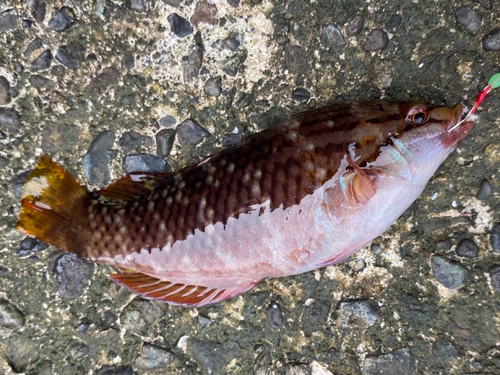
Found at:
[428, 136]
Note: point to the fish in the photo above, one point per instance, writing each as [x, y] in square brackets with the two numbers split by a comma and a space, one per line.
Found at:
[303, 195]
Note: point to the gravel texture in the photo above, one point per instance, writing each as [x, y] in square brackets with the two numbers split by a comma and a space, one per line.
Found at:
[102, 86]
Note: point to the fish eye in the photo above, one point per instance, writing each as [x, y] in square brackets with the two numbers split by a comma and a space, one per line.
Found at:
[417, 115]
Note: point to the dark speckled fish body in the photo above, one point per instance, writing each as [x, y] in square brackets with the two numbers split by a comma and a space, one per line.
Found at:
[290, 199]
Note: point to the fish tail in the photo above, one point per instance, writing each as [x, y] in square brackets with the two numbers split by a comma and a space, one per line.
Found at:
[54, 207]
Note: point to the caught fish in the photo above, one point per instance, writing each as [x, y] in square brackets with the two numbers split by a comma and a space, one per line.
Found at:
[300, 196]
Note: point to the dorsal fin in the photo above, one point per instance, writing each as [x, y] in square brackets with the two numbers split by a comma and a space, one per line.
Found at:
[177, 293]
[134, 185]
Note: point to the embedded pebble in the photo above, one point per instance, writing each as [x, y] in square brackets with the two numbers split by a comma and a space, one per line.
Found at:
[153, 357]
[179, 26]
[301, 95]
[21, 353]
[233, 63]
[233, 3]
[467, 249]
[193, 64]
[315, 317]
[11, 318]
[228, 43]
[444, 245]
[491, 42]
[212, 356]
[204, 12]
[136, 5]
[275, 316]
[168, 121]
[38, 10]
[62, 20]
[447, 272]
[78, 349]
[495, 277]
[376, 40]
[354, 26]
[484, 3]
[231, 139]
[190, 133]
[70, 275]
[357, 312]
[71, 56]
[485, 190]
[332, 37]
[9, 121]
[164, 142]
[128, 61]
[395, 363]
[56, 137]
[213, 86]
[8, 20]
[296, 60]
[145, 163]
[132, 140]
[174, 3]
[100, 83]
[26, 24]
[42, 62]
[393, 23]
[115, 370]
[469, 18]
[41, 83]
[96, 160]
[34, 45]
[282, 40]
[495, 238]
[4, 91]
[29, 246]
[376, 248]
[294, 369]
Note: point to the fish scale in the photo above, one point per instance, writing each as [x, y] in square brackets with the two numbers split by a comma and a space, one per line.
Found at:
[302, 195]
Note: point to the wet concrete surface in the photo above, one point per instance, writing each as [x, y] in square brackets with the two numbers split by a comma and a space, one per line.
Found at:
[91, 82]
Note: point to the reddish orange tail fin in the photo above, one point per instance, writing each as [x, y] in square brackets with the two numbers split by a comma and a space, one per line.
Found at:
[54, 206]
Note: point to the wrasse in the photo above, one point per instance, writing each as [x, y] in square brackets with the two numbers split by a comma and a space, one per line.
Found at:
[300, 196]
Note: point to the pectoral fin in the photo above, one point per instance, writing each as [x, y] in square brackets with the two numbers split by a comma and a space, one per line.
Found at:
[177, 293]
[357, 185]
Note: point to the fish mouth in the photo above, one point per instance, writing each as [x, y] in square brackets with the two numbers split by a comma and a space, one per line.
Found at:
[460, 124]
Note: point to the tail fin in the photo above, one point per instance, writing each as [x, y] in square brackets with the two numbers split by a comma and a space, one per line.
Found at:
[54, 206]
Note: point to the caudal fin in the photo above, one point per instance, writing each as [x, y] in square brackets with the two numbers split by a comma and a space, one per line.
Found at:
[54, 207]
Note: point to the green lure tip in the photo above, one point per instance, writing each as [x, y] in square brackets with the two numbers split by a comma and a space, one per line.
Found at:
[494, 81]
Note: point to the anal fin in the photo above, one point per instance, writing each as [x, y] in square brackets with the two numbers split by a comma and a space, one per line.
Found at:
[177, 293]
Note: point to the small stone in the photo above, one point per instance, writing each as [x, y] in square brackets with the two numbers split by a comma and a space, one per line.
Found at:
[38, 10]
[29, 246]
[395, 363]
[393, 23]
[495, 238]
[275, 316]
[376, 40]
[42, 62]
[357, 313]
[193, 64]
[234, 3]
[444, 245]
[174, 3]
[59, 137]
[21, 353]
[204, 12]
[8, 20]
[213, 86]
[231, 139]
[467, 249]
[115, 370]
[495, 277]
[229, 43]
[485, 190]
[375, 248]
[70, 274]
[168, 121]
[179, 26]
[133, 140]
[96, 160]
[491, 42]
[136, 5]
[297, 370]
[212, 356]
[164, 142]
[301, 95]
[296, 60]
[27, 24]
[100, 83]
[153, 357]
[469, 18]
[484, 3]
[332, 37]
[78, 349]
[191, 133]
[282, 40]
[9, 121]
[4, 91]
[41, 83]
[354, 26]
[447, 272]
[71, 56]
[11, 318]
[128, 61]
[34, 45]
[63, 19]
[145, 163]
[233, 64]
